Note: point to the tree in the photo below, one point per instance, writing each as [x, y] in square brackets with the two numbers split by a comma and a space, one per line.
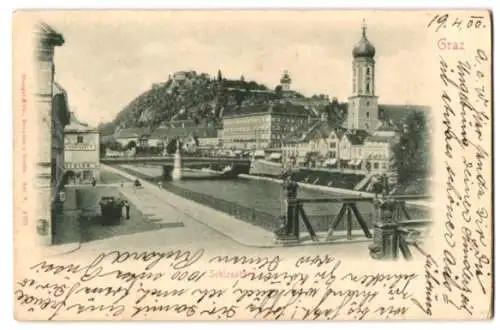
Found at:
[131, 145]
[172, 146]
[336, 111]
[411, 155]
[278, 90]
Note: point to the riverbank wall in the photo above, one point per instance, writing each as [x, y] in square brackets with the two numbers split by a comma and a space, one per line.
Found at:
[350, 192]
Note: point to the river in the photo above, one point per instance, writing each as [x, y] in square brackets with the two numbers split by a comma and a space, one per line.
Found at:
[266, 195]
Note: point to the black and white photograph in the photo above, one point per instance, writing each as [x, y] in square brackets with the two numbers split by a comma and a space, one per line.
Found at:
[238, 165]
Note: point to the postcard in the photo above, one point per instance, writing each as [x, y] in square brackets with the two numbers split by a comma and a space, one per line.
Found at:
[253, 165]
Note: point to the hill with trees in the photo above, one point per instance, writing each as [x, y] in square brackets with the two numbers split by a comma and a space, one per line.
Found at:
[193, 96]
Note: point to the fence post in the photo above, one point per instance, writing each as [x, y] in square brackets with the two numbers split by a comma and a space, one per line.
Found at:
[385, 239]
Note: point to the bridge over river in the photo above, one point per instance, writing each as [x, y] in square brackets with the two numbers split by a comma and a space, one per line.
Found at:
[232, 166]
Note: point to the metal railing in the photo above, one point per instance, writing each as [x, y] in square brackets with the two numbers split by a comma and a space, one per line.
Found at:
[241, 212]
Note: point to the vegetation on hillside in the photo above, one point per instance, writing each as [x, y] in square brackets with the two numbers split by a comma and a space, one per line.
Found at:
[198, 97]
[412, 158]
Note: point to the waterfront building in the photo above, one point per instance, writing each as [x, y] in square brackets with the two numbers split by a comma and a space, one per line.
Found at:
[351, 149]
[208, 139]
[377, 151]
[143, 140]
[191, 137]
[300, 142]
[81, 152]
[158, 137]
[262, 126]
[51, 117]
[321, 137]
[129, 137]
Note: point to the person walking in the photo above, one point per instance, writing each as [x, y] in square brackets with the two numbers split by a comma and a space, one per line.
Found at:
[127, 210]
[123, 212]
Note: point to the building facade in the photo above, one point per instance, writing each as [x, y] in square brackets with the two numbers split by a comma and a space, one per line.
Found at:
[321, 138]
[351, 149]
[52, 116]
[129, 137]
[192, 137]
[377, 151]
[363, 112]
[264, 130]
[81, 152]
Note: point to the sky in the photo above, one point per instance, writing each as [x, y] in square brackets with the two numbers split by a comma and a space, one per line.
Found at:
[109, 58]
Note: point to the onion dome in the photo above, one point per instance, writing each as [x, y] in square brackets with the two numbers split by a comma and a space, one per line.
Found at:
[363, 48]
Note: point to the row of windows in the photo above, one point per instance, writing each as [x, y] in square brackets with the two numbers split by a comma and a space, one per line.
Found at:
[246, 129]
[247, 120]
[260, 120]
[377, 165]
[80, 165]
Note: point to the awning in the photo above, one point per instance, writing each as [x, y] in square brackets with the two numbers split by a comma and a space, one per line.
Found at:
[259, 153]
[357, 163]
[330, 161]
[275, 155]
[351, 162]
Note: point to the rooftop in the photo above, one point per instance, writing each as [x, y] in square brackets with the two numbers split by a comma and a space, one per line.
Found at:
[274, 107]
[363, 48]
[314, 130]
[196, 131]
[356, 137]
[132, 132]
[76, 126]
[380, 139]
[48, 33]
[394, 114]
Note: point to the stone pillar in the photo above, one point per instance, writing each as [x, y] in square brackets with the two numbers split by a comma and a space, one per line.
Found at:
[385, 239]
[44, 136]
[289, 231]
[45, 182]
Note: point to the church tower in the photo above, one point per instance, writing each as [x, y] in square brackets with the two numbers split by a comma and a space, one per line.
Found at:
[363, 104]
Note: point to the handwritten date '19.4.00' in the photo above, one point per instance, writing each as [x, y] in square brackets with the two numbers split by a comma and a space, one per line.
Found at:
[447, 21]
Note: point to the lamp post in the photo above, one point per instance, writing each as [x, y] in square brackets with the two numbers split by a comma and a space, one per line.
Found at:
[289, 230]
[385, 238]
